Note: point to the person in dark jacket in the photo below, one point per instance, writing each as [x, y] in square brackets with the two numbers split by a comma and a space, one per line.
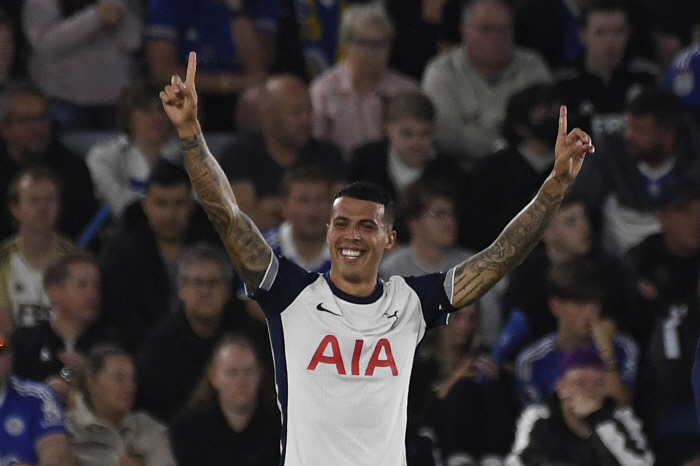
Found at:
[577, 425]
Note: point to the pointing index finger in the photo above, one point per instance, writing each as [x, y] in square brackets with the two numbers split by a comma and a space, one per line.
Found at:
[191, 68]
[562, 121]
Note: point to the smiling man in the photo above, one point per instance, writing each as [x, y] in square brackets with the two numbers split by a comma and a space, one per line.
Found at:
[344, 341]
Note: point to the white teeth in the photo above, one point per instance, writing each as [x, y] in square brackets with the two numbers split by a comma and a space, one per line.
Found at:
[349, 253]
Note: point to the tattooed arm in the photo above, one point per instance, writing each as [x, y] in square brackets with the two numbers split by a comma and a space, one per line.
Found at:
[475, 276]
[245, 245]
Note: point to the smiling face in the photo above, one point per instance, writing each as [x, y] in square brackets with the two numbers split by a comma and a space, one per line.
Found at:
[358, 236]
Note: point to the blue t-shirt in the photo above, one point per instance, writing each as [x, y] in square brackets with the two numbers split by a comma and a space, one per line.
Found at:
[539, 365]
[204, 26]
[28, 412]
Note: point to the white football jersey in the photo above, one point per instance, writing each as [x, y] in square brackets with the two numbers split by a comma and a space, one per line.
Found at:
[343, 363]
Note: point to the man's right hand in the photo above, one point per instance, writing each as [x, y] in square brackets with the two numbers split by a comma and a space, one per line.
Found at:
[180, 101]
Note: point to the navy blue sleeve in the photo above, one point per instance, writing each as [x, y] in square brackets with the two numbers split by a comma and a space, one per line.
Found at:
[281, 285]
[434, 301]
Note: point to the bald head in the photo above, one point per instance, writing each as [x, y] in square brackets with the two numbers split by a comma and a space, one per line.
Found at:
[285, 108]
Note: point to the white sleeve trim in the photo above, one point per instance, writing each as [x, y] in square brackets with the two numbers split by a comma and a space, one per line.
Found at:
[270, 275]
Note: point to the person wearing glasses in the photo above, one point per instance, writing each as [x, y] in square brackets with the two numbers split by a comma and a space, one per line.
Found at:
[32, 421]
[348, 99]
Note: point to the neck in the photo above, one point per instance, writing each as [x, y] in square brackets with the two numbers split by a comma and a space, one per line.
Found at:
[598, 70]
[360, 289]
[576, 425]
[171, 249]
[68, 328]
[111, 418]
[283, 154]
[310, 249]
[429, 254]
[37, 246]
[204, 327]
[238, 418]
[150, 150]
[16, 155]
[537, 147]
[488, 72]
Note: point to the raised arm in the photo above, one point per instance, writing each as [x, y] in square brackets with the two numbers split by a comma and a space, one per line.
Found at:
[245, 245]
[475, 276]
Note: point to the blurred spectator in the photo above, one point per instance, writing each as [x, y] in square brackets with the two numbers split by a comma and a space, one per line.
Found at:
[33, 421]
[256, 161]
[10, 66]
[604, 77]
[234, 41]
[473, 403]
[575, 294]
[407, 153]
[578, 424]
[348, 99]
[621, 181]
[83, 53]
[54, 351]
[683, 76]
[103, 428]
[552, 28]
[429, 215]
[229, 421]
[505, 181]
[26, 138]
[673, 27]
[424, 28]
[174, 356]
[301, 238]
[120, 167]
[314, 32]
[470, 85]
[34, 196]
[427, 212]
[665, 267]
[139, 261]
[567, 237]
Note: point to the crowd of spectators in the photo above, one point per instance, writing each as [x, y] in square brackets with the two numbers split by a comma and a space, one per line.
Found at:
[125, 336]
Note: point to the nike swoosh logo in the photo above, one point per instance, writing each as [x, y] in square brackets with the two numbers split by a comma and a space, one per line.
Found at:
[394, 315]
[321, 308]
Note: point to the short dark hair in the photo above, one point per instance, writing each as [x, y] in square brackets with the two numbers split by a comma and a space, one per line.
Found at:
[521, 103]
[139, 94]
[416, 197]
[601, 6]
[57, 270]
[96, 362]
[575, 280]
[662, 104]
[204, 252]
[366, 191]
[167, 174]
[409, 104]
[35, 172]
[304, 173]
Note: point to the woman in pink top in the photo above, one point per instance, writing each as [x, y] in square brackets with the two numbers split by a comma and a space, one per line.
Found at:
[349, 98]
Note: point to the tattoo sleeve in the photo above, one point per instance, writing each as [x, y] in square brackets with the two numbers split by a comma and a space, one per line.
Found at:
[479, 273]
[245, 245]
